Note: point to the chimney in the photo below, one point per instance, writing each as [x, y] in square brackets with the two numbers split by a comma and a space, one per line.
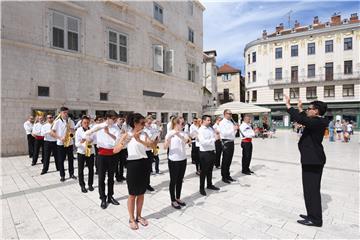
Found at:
[336, 19]
[280, 27]
[354, 18]
[264, 34]
[316, 20]
[297, 24]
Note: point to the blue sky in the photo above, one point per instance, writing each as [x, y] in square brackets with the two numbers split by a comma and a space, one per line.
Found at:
[229, 25]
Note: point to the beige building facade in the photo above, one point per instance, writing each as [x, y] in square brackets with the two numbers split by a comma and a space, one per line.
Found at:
[94, 56]
[209, 81]
[229, 84]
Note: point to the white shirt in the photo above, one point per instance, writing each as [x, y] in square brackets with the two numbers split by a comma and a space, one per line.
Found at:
[104, 140]
[28, 126]
[194, 134]
[60, 128]
[80, 135]
[37, 129]
[78, 124]
[227, 130]
[246, 131]
[168, 127]
[349, 127]
[135, 149]
[177, 150]
[45, 131]
[206, 139]
[152, 133]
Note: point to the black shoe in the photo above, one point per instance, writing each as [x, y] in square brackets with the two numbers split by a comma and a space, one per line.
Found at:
[304, 216]
[251, 171]
[91, 188]
[308, 222]
[175, 206]
[83, 189]
[246, 173]
[226, 180]
[103, 204]
[202, 192]
[73, 177]
[62, 179]
[113, 201]
[33, 164]
[231, 179]
[212, 187]
[181, 203]
[42, 172]
[150, 188]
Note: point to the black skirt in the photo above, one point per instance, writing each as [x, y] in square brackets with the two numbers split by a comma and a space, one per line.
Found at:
[137, 176]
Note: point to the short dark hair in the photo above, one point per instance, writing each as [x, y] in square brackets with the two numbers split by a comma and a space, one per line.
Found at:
[85, 117]
[204, 117]
[320, 106]
[64, 109]
[111, 114]
[226, 110]
[134, 118]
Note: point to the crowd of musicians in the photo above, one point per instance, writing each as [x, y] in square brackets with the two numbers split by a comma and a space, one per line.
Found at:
[114, 142]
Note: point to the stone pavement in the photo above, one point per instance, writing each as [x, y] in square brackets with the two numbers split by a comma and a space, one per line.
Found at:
[263, 205]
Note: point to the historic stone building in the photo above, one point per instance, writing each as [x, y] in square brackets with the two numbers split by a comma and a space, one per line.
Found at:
[94, 56]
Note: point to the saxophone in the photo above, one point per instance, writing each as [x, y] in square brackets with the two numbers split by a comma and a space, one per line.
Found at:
[68, 134]
[88, 147]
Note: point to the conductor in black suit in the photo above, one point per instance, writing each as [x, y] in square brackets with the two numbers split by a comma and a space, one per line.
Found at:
[312, 156]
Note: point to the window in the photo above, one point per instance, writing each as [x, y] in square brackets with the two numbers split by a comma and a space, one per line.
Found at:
[294, 74]
[311, 70]
[348, 67]
[329, 46]
[43, 91]
[254, 96]
[278, 94]
[191, 35]
[278, 73]
[65, 32]
[294, 51]
[191, 72]
[311, 92]
[249, 79]
[117, 46]
[294, 93]
[164, 117]
[247, 96]
[254, 57]
[226, 77]
[278, 53]
[226, 95]
[191, 8]
[348, 43]
[348, 90]
[311, 48]
[254, 76]
[329, 91]
[248, 58]
[103, 96]
[158, 12]
[329, 71]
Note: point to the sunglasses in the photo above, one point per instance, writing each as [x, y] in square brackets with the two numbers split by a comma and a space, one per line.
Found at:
[50, 117]
[310, 108]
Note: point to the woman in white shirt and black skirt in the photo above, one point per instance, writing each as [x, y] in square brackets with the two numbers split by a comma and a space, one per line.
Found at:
[175, 141]
[137, 167]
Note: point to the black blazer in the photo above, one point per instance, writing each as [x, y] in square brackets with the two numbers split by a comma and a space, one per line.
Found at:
[310, 143]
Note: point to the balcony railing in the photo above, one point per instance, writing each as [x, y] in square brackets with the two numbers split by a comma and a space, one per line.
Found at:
[316, 78]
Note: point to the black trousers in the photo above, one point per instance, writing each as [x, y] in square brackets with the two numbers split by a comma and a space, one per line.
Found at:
[82, 159]
[64, 152]
[157, 162]
[228, 152]
[95, 157]
[37, 145]
[207, 160]
[50, 148]
[195, 155]
[150, 156]
[177, 172]
[31, 141]
[218, 149]
[311, 178]
[121, 157]
[247, 148]
[106, 164]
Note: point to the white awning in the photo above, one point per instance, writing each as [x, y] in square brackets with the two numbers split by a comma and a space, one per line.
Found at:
[237, 108]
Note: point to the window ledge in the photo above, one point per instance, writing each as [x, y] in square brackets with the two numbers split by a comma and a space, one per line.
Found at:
[122, 5]
[73, 5]
[158, 24]
[190, 44]
[117, 64]
[119, 22]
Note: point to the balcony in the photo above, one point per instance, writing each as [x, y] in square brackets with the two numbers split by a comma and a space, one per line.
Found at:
[316, 78]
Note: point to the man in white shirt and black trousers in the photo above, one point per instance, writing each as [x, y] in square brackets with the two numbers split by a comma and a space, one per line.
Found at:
[228, 130]
[49, 145]
[207, 137]
[39, 140]
[28, 126]
[247, 134]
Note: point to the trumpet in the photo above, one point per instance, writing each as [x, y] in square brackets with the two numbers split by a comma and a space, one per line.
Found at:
[88, 147]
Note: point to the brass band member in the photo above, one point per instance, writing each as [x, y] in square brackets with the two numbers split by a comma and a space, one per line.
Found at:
[39, 139]
[107, 135]
[218, 144]
[63, 131]
[49, 145]
[85, 153]
[122, 155]
[28, 126]
[247, 134]
[195, 143]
